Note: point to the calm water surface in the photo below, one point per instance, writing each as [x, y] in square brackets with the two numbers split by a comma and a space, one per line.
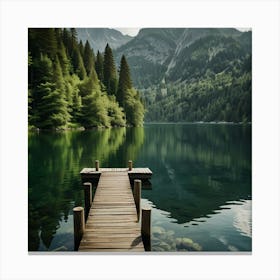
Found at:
[201, 184]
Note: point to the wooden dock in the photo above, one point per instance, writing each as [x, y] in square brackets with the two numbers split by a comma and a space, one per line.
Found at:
[134, 173]
[112, 223]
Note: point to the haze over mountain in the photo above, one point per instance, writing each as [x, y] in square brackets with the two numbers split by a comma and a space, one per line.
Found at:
[99, 37]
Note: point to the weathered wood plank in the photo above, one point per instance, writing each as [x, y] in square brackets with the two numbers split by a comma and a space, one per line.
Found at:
[108, 245]
[111, 250]
[112, 239]
[112, 220]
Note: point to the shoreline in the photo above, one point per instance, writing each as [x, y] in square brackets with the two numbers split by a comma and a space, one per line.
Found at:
[35, 129]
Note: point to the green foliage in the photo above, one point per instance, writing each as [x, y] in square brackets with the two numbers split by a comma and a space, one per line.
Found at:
[99, 66]
[128, 97]
[215, 97]
[88, 58]
[109, 71]
[78, 64]
[133, 107]
[124, 81]
[64, 89]
[42, 40]
[116, 114]
[48, 101]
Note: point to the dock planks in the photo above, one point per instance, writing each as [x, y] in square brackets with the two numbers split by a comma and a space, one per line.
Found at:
[135, 173]
[112, 221]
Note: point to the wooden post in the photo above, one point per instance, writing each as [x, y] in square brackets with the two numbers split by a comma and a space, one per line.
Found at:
[130, 165]
[146, 228]
[137, 196]
[87, 197]
[79, 225]
[97, 165]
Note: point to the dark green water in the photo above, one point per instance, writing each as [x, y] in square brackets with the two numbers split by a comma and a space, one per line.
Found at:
[201, 184]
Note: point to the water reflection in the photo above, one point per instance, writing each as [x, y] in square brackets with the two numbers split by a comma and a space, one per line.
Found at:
[54, 162]
[201, 194]
[197, 168]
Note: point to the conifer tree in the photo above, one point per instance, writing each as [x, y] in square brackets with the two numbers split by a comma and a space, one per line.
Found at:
[58, 76]
[88, 58]
[78, 64]
[30, 99]
[99, 66]
[125, 82]
[42, 40]
[65, 86]
[73, 41]
[81, 48]
[63, 59]
[49, 105]
[66, 38]
[109, 71]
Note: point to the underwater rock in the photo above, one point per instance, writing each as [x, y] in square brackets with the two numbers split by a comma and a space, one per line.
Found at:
[158, 229]
[164, 240]
[187, 244]
[165, 246]
[157, 249]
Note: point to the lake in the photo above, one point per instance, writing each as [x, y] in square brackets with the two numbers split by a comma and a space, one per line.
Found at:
[200, 190]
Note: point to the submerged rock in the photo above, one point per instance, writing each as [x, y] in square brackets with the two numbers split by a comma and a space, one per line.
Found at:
[187, 244]
[157, 231]
[164, 240]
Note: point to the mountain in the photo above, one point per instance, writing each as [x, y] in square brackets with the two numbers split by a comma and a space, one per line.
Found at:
[172, 53]
[99, 37]
[189, 74]
[192, 74]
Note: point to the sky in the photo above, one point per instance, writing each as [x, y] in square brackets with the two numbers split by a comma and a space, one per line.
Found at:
[129, 31]
[134, 31]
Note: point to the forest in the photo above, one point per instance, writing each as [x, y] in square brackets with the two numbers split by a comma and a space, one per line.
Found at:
[71, 87]
[212, 82]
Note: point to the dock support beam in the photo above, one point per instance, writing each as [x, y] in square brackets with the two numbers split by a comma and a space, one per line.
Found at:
[97, 165]
[87, 197]
[130, 163]
[146, 228]
[79, 225]
[137, 196]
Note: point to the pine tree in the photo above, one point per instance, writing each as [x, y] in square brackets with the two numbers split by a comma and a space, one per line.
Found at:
[63, 59]
[99, 66]
[58, 76]
[78, 64]
[109, 71]
[73, 41]
[88, 58]
[30, 99]
[66, 38]
[81, 48]
[125, 82]
[42, 40]
[50, 107]
[64, 86]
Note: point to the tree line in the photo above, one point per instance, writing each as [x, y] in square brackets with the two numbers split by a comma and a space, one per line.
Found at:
[212, 82]
[218, 97]
[69, 86]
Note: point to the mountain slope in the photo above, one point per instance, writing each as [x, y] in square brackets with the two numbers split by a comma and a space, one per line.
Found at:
[158, 53]
[192, 74]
